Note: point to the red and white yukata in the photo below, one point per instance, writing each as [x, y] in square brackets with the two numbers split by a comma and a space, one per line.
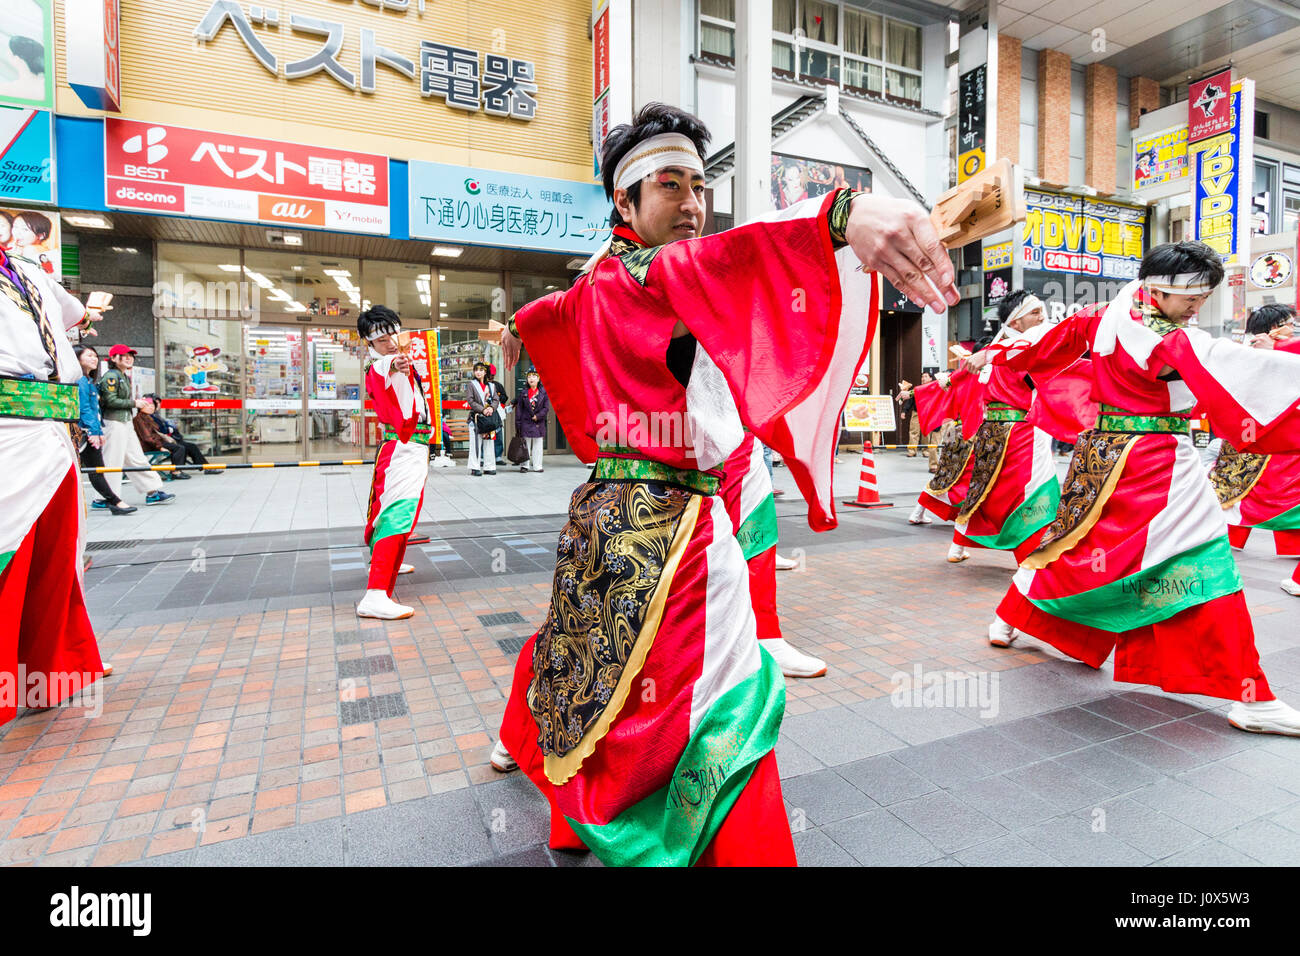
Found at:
[1138, 558]
[1013, 490]
[47, 646]
[401, 467]
[645, 709]
[1261, 492]
[960, 401]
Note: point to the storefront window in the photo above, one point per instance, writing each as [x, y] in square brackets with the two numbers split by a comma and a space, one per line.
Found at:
[467, 300]
[289, 284]
[405, 287]
[198, 282]
[202, 368]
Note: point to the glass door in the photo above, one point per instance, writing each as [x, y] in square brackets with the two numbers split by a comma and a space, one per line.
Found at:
[334, 368]
[273, 406]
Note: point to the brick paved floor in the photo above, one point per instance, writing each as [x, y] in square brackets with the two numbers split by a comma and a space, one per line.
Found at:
[253, 718]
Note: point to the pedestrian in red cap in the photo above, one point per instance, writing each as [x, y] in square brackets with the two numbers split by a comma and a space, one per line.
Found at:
[121, 444]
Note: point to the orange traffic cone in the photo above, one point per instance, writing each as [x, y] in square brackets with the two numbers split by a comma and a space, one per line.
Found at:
[868, 496]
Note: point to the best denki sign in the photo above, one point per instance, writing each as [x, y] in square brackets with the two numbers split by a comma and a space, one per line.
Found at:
[459, 204]
[503, 87]
[190, 172]
[1077, 234]
[1222, 177]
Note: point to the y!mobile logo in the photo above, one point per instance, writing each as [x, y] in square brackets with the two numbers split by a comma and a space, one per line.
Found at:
[74, 909]
[152, 139]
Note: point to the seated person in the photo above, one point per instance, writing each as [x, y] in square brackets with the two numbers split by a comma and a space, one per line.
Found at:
[171, 436]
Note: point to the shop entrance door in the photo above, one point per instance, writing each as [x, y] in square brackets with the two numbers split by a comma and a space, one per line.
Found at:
[274, 403]
[334, 367]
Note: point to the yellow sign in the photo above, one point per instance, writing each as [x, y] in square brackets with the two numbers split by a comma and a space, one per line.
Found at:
[969, 163]
[1160, 158]
[997, 256]
[869, 413]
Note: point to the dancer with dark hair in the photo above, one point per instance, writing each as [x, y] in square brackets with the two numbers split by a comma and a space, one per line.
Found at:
[1137, 560]
[1263, 491]
[645, 709]
[1013, 489]
[401, 463]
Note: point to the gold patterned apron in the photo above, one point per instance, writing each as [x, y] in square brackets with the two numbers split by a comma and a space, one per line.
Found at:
[615, 565]
[1235, 473]
[953, 455]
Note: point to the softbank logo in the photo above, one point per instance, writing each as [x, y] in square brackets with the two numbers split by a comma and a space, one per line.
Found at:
[74, 909]
[151, 142]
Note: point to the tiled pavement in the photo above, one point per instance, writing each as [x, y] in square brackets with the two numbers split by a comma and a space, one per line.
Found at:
[254, 719]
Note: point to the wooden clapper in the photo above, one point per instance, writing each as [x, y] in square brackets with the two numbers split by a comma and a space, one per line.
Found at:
[988, 202]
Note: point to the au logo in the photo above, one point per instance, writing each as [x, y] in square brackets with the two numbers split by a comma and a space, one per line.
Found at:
[472, 187]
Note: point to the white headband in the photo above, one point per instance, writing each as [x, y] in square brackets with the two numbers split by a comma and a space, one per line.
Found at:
[648, 156]
[1027, 305]
[1185, 283]
[382, 331]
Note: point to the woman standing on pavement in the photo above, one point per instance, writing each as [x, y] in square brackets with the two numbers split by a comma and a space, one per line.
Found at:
[484, 399]
[531, 410]
[91, 452]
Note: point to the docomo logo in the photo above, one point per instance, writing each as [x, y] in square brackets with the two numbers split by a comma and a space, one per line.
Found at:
[290, 209]
[131, 194]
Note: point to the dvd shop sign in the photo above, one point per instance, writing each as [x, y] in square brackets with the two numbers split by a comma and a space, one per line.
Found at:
[187, 172]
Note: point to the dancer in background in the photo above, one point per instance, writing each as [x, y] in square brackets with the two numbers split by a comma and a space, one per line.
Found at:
[401, 464]
[1013, 489]
[1137, 560]
[954, 410]
[1263, 491]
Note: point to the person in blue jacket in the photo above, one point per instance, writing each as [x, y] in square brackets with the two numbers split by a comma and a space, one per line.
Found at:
[92, 455]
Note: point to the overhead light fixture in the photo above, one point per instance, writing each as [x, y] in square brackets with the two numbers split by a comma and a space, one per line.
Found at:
[447, 252]
[130, 249]
[88, 221]
[228, 267]
[441, 277]
[443, 315]
[576, 263]
[338, 272]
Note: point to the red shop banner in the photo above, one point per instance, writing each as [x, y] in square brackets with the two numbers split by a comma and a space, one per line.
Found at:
[202, 403]
[1209, 104]
[187, 172]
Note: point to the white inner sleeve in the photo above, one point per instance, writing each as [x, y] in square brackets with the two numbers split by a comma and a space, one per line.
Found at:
[713, 420]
